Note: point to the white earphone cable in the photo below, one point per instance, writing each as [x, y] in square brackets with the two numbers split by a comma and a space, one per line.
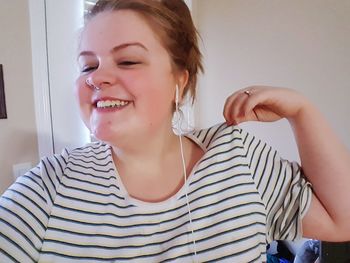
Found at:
[185, 174]
[187, 200]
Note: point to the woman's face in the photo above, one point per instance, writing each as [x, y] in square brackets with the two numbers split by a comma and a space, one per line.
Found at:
[121, 55]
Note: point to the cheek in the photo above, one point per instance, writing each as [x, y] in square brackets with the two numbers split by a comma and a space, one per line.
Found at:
[158, 104]
[153, 94]
[83, 98]
[81, 92]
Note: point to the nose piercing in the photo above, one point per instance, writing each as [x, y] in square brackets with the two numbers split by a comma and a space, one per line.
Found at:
[87, 81]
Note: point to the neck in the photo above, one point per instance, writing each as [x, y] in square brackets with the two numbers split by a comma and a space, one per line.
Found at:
[150, 153]
[153, 171]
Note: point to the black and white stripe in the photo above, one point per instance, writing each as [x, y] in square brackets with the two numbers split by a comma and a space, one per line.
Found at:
[74, 207]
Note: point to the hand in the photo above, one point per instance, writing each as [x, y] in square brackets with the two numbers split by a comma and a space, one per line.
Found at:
[263, 103]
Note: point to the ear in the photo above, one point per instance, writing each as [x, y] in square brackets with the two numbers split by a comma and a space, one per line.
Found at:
[182, 80]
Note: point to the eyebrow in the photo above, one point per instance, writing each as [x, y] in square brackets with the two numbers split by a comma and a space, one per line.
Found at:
[115, 49]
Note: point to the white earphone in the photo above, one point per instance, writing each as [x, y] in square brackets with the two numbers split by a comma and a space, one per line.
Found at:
[177, 96]
[185, 173]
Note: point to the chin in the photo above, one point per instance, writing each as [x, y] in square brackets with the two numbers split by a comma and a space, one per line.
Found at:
[103, 135]
[111, 137]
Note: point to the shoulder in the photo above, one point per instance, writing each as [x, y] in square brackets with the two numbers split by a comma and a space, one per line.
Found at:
[97, 149]
[217, 134]
[55, 166]
[90, 149]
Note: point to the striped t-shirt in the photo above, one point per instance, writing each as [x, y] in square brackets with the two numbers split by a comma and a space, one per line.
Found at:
[74, 207]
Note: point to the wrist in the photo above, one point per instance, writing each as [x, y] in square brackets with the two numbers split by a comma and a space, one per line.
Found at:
[304, 114]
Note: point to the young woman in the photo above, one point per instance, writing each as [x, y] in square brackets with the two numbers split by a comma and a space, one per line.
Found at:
[143, 195]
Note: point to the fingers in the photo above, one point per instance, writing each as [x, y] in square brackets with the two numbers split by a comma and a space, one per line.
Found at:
[239, 107]
[232, 108]
[261, 103]
[254, 99]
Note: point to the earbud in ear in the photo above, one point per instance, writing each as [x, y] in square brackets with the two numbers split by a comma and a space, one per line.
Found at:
[177, 95]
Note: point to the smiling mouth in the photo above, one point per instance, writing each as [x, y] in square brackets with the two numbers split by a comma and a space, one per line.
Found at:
[110, 104]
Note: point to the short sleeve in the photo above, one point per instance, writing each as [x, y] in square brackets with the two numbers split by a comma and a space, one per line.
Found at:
[25, 208]
[282, 186]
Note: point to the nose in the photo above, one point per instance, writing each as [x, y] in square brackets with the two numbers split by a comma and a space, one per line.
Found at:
[101, 77]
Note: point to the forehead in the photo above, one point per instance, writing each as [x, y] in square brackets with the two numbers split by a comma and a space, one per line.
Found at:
[112, 28]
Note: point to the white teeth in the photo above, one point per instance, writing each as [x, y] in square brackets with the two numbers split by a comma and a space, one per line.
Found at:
[111, 103]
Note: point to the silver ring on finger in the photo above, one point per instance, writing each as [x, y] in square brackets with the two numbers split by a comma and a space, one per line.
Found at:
[248, 92]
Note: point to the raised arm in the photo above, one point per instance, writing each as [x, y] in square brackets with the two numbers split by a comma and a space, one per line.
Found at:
[324, 159]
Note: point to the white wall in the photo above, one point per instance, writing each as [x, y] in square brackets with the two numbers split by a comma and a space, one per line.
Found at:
[299, 44]
[64, 20]
[18, 141]
[40, 77]
[55, 27]
[44, 30]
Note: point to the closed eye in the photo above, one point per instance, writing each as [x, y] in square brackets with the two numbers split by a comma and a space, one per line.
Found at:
[128, 63]
[87, 69]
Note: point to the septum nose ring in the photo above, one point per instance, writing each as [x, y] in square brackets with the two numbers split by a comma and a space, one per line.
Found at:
[87, 81]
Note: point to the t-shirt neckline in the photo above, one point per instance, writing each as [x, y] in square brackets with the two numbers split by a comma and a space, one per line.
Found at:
[169, 202]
